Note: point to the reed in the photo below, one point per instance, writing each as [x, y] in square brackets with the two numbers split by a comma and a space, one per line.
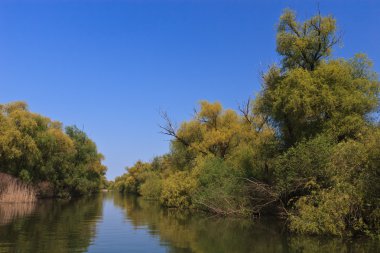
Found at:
[13, 190]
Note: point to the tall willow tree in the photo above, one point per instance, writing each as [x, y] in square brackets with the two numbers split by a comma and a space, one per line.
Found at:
[322, 108]
[305, 44]
[310, 94]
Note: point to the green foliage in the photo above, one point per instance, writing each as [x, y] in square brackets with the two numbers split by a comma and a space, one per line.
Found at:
[325, 212]
[305, 44]
[24, 176]
[220, 189]
[351, 202]
[333, 98]
[304, 166]
[131, 182]
[331, 182]
[152, 187]
[89, 173]
[36, 149]
[311, 95]
[177, 190]
[212, 131]
[307, 147]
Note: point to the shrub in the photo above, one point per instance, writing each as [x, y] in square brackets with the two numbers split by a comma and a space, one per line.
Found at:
[350, 205]
[220, 189]
[152, 187]
[177, 190]
[304, 165]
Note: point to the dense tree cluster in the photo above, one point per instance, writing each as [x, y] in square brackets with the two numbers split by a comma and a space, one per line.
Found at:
[306, 148]
[38, 151]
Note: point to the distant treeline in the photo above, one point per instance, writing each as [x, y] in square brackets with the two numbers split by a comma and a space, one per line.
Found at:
[307, 148]
[55, 162]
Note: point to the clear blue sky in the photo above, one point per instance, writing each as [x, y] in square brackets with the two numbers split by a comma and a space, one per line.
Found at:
[110, 66]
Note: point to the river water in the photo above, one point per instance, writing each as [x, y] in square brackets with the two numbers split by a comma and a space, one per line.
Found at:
[111, 222]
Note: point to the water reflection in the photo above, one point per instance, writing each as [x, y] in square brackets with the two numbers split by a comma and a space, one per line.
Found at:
[52, 226]
[186, 232]
[115, 223]
[12, 211]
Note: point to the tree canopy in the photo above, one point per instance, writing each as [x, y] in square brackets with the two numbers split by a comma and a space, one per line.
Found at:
[39, 151]
[306, 148]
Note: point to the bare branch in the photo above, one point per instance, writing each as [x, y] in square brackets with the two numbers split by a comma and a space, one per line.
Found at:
[245, 110]
[168, 128]
[171, 130]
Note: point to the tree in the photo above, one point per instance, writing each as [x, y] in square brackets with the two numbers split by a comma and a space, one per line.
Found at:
[338, 96]
[307, 147]
[37, 150]
[305, 44]
[212, 131]
[88, 173]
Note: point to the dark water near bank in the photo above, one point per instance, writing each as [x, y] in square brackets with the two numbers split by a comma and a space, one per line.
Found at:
[111, 222]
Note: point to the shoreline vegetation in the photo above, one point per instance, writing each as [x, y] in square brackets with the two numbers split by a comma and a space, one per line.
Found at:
[41, 159]
[306, 148]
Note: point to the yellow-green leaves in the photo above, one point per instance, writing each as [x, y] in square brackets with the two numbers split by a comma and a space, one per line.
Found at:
[334, 97]
[36, 149]
[213, 130]
[305, 44]
[177, 190]
[306, 147]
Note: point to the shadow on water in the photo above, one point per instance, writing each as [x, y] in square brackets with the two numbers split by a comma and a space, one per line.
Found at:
[183, 231]
[49, 225]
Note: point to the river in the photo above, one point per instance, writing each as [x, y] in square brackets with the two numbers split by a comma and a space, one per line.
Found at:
[111, 222]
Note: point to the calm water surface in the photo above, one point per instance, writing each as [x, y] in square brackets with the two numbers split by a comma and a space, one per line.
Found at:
[111, 222]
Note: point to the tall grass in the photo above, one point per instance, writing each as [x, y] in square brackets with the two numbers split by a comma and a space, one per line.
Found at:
[13, 190]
